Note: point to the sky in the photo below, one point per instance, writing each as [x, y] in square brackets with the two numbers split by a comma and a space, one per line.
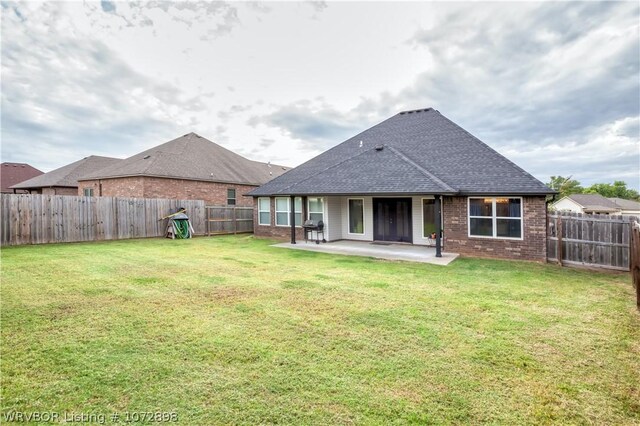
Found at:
[555, 87]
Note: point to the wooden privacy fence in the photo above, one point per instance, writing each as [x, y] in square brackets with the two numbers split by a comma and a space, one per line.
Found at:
[40, 219]
[229, 220]
[635, 259]
[590, 240]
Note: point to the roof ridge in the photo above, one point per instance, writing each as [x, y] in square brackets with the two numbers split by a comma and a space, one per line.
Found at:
[327, 168]
[422, 169]
[479, 142]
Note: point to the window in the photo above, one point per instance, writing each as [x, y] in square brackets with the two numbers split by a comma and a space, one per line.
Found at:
[88, 192]
[282, 211]
[495, 217]
[316, 209]
[231, 197]
[356, 216]
[428, 217]
[264, 211]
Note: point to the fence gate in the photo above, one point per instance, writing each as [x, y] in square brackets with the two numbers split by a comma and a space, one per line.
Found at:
[590, 240]
[229, 220]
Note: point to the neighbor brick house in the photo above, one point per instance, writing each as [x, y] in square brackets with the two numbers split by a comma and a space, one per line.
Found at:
[415, 178]
[189, 167]
[64, 180]
[14, 173]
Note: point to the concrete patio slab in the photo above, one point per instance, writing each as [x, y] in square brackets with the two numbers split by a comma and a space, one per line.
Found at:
[406, 252]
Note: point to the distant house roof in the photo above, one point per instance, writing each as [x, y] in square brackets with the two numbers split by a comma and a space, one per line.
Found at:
[12, 173]
[67, 176]
[623, 204]
[594, 203]
[413, 152]
[192, 157]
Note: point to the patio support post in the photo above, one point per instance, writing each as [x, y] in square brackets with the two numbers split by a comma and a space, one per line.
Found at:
[292, 218]
[438, 226]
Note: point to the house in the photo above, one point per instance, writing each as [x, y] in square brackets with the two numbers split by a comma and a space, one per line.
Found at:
[626, 207]
[13, 173]
[189, 167]
[587, 204]
[64, 180]
[414, 175]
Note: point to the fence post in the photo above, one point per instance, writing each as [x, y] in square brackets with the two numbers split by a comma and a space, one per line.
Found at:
[559, 232]
[235, 220]
[634, 259]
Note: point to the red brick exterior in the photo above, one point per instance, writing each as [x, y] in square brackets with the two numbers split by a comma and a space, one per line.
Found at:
[213, 193]
[272, 231]
[56, 190]
[531, 247]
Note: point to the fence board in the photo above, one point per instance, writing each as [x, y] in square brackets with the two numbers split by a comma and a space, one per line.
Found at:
[39, 219]
[228, 220]
[589, 240]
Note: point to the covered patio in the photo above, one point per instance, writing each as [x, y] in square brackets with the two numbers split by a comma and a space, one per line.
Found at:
[405, 252]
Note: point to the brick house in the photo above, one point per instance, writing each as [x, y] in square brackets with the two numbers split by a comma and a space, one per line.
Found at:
[14, 173]
[415, 178]
[64, 180]
[189, 167]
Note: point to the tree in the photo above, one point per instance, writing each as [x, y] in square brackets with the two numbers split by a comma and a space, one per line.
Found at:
[618, 190]
[565, 186]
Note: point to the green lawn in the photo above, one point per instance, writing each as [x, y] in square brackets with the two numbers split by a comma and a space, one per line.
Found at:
[229, 330]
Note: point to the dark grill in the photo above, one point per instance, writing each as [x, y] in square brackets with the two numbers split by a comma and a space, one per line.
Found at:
[310, 227]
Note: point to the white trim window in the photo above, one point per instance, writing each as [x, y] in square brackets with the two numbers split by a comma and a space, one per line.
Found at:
[264, 211]
[231, 196]
[282, 211]
[88, 192]
[316, 209]
[495, 217]
[356, 216]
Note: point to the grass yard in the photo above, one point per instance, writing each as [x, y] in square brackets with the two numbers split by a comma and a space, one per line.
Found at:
[228, 330]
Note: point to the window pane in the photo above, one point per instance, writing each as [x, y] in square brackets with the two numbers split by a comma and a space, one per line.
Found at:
[282, 218]
[316, 205]
[282, 204]
[265, 218]
[298, 219]
[356, 217]
[508, 228]
[316, 217]
[481, 227]
[480, 206]
[231, 193]
[507, 207]
[428, 217]
[298, 204]
[264, 204]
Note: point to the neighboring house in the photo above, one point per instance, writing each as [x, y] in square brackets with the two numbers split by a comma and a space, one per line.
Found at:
[587, 204]
[626, 207]
[13, 173]
[64, 180]
[391, 182]
[189, 167]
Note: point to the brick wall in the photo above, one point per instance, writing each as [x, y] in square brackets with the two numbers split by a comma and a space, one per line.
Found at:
[212, 193]
[272, 231]
[531, 247]
[60, 190]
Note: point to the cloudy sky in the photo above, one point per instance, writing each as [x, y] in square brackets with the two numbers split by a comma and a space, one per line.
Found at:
[553, 86]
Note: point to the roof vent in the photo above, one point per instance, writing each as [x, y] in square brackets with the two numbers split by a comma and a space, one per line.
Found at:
[379, 147]
[146, 156]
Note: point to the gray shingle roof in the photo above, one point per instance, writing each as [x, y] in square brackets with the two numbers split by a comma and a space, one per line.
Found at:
[68, 175]
[625, 204]
[422, 152]
[195, 158]
[594, 202]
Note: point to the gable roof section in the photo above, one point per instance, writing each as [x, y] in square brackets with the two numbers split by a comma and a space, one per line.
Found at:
[423, 153]
[67, 176]
[594, 202]
[14, 173]
[192, 157]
